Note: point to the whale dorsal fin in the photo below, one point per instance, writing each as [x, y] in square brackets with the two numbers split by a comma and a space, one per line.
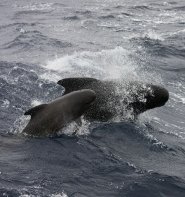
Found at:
[35, 110]
[73, 84]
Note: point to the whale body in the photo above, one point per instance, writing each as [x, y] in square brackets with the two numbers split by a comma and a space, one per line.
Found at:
[47, 119]
[113, 98]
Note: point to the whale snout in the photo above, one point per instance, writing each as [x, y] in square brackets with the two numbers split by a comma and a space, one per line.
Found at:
[158, 98]
[163, 95]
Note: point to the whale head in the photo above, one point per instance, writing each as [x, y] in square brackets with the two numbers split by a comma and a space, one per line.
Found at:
[157, 98]
[146, 97]
[154, 96]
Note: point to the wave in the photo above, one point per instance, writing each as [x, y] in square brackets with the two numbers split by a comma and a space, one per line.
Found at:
[71, 18]
[155, 185]
[18, 25]
[126, 14]
[150, 35]
[178, 8]
[21, 14]
[177, 70]
[84, 12]
[27, 40]
[35, 6]
[156, 47]
[110, 16]
[9, 192]
[141, 8]
[132, 132]
[25, 193]
[119, 7]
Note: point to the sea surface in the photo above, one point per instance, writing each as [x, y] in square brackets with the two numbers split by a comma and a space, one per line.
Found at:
[43, 41]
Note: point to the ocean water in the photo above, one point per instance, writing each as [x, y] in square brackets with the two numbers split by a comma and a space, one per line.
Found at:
[43, 41]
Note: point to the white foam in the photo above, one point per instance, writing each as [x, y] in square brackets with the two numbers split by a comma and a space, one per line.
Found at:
[150, 33]
[103, 64]
[35, 6]
[36, 102]
[22, 121]
[154, 35]
[178, 97]
[5, 104]
[175, 128]
[175, 33]
[19, 125]
[75, 128]
[52, 195]
[49, 76]
[110, 64]
[59, 195]
[168, 17]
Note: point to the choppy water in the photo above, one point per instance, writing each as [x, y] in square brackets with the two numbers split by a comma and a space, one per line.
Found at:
[46, 40]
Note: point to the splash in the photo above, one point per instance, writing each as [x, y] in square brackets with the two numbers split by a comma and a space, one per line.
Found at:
[59, 195]
[34, 6]
[75, 128]
[5, 104]
[106, 64]
[118, 65]
[35, 103]
[19, 125]
[154, 35]
[113, 64]
[22, 121]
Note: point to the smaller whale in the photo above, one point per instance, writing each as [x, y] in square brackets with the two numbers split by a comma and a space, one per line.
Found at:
[48, 119]
[115, 99]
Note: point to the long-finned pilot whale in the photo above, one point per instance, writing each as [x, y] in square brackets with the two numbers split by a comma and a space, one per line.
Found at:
[47, 119]
[112, 98]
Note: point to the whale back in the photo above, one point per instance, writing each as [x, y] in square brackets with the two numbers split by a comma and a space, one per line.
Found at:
[73, 84]
[135, 97]
[104, 93]
[49, 118]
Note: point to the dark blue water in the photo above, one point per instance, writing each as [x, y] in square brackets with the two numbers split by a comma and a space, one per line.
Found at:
[44, 41]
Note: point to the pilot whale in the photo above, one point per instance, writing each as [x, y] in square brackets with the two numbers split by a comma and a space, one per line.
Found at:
[47, 119]
[113, 98]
